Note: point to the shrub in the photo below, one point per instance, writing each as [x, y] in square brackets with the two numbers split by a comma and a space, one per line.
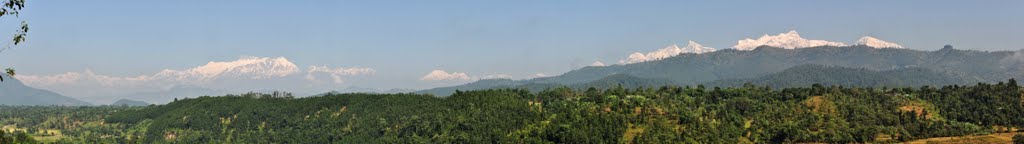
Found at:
[1018, 139]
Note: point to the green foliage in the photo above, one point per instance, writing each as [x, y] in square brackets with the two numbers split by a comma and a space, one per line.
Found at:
[14, 7]
[1018, 139]
[748, 114]
[10, 71]
[18, 137]
[79, 124]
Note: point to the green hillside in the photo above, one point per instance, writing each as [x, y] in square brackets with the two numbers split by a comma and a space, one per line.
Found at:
[806, 75]
[644, 115]
[964, 66]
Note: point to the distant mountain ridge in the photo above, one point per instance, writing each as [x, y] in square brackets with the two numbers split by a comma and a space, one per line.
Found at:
[13, 92]
[728, 64]
[691, 69]
[127, 102]
[166, 96]
[480, 84]
[807, 75]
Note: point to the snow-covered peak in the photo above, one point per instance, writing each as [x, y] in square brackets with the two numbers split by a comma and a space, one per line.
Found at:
[876, 43]
[669, 51]
[788, 40]
[694, 47]
[245, 67]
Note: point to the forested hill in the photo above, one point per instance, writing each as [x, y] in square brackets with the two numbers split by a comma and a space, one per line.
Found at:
[806, 75]
[614, 80]
[692, 69]
[13, 92]
[624, 80]
[668, 114]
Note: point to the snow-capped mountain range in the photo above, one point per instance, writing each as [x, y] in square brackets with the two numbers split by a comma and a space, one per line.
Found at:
[877, 43]
[671, 50]
[244, 74]
[247, 67]
[788, 40]
[792, 40]
[249, 73]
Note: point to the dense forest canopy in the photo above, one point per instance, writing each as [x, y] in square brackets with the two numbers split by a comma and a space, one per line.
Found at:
[758, 114]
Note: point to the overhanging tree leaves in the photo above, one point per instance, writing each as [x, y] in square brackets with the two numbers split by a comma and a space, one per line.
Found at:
[14, 7]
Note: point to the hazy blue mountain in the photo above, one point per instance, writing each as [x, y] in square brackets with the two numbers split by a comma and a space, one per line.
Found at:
[363, 90]
[127, 102]
[13, 92]
[731, 64]
[692, 69]
[353, 89]
[807, 75]
[481, 84]
[165, 96]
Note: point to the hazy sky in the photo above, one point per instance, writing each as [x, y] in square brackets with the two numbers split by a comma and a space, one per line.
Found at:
[401, 41]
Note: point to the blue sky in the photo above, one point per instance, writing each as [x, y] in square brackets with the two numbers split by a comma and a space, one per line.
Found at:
[404, 40]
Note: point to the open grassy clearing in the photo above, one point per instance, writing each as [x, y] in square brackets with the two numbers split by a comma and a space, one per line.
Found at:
[990, 138]
[43, 135]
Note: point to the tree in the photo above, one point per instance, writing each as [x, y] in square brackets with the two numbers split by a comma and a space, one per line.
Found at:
[1012, 82]
[13, 7]
[1018, 139]
[16, 137]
